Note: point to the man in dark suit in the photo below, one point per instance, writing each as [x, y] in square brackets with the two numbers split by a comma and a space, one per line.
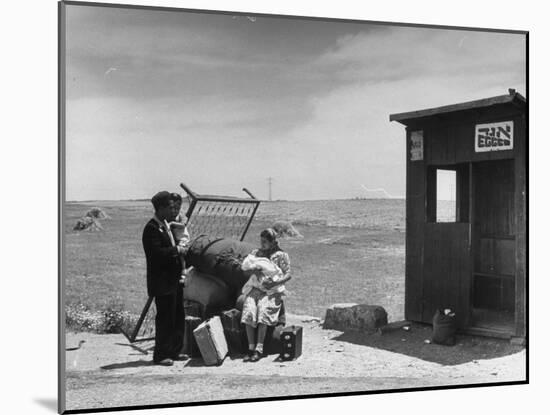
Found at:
[163, 280]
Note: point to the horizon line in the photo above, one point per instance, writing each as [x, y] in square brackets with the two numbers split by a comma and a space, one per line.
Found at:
[261, 200]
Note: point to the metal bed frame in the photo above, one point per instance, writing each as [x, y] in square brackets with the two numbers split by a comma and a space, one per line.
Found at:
[203, 207]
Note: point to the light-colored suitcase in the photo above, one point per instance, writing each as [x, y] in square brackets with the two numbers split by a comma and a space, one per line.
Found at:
[211, 341]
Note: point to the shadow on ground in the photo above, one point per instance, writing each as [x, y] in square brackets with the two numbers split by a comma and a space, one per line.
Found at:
[128, 365]
[412, 343]
[142, 350]
[198, 362]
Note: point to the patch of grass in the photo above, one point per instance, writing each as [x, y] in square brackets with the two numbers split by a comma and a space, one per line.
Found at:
[112, 318]
[361, 260]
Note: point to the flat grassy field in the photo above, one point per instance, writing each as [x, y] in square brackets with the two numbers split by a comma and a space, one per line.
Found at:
[352, 251]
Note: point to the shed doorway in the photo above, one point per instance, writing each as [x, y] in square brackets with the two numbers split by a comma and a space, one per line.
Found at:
[493, 243]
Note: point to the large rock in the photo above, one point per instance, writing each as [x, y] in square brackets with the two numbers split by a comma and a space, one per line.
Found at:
[353, 316]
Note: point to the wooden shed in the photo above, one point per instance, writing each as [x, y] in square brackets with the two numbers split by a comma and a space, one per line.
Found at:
[466, 214]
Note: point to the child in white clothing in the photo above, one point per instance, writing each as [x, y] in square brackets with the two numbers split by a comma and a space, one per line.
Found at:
[178, 227]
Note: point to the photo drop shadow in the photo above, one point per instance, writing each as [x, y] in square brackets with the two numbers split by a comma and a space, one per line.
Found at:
[49, 403]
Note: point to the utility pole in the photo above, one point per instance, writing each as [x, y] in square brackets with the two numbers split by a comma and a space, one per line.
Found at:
[269, 183]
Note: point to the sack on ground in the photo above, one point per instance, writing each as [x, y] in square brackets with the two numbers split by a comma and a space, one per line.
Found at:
[444, 328]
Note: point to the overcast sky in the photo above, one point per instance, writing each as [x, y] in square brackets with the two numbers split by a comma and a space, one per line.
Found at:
[221, 102]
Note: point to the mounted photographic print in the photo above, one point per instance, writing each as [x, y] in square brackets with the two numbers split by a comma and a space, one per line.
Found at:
[264, 207]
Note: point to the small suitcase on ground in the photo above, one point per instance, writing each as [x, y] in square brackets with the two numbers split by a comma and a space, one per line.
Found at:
[211, 341]
[272, 343]
[235, 331]
[190, 346]
[291, 339]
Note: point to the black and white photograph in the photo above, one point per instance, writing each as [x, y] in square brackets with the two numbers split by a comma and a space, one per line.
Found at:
[264, 207]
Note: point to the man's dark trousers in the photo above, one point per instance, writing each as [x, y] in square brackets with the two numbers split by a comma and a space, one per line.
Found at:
[164, 269]
[169, 325]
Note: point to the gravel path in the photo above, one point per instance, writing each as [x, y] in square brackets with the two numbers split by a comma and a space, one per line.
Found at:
[107, 371]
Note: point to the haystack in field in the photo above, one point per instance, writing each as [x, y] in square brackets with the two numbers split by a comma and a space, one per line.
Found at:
[286, 230]
[97, 213]
[87, 223]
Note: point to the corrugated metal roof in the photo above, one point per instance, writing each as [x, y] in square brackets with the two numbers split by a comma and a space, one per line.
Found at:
[511, 98]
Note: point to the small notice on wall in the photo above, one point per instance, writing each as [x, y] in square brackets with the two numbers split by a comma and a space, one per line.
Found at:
[417, 145]
[495, 136]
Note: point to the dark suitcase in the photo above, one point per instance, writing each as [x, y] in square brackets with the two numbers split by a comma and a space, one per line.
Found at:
[193, 309]
[190, 347]
[291, 339]
[235, 331]
[272, 342]
[235, 334]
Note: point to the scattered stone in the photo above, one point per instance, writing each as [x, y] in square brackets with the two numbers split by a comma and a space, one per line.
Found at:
[427, 341]
[351, 316]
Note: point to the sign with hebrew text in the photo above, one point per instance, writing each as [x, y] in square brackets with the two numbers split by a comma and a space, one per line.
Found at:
[495, 136]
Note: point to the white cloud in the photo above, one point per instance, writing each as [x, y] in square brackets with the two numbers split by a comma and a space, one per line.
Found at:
[401, 52]
[130, 147]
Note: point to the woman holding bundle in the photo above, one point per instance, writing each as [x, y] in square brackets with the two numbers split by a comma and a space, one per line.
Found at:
[269, 270]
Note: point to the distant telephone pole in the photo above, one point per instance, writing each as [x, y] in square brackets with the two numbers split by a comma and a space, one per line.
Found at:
[269, 184]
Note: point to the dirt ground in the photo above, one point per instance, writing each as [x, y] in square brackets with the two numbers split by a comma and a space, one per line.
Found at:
[107, 371]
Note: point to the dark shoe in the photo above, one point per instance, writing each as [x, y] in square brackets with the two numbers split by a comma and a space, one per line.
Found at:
[255, 356]
[165, 362]
[248, 356]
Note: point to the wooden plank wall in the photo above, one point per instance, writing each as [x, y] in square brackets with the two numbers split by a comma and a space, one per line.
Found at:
[446, 269]
[451, 140]
[429, 282]
[414, 243]
[495, 214]
[521, 224]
